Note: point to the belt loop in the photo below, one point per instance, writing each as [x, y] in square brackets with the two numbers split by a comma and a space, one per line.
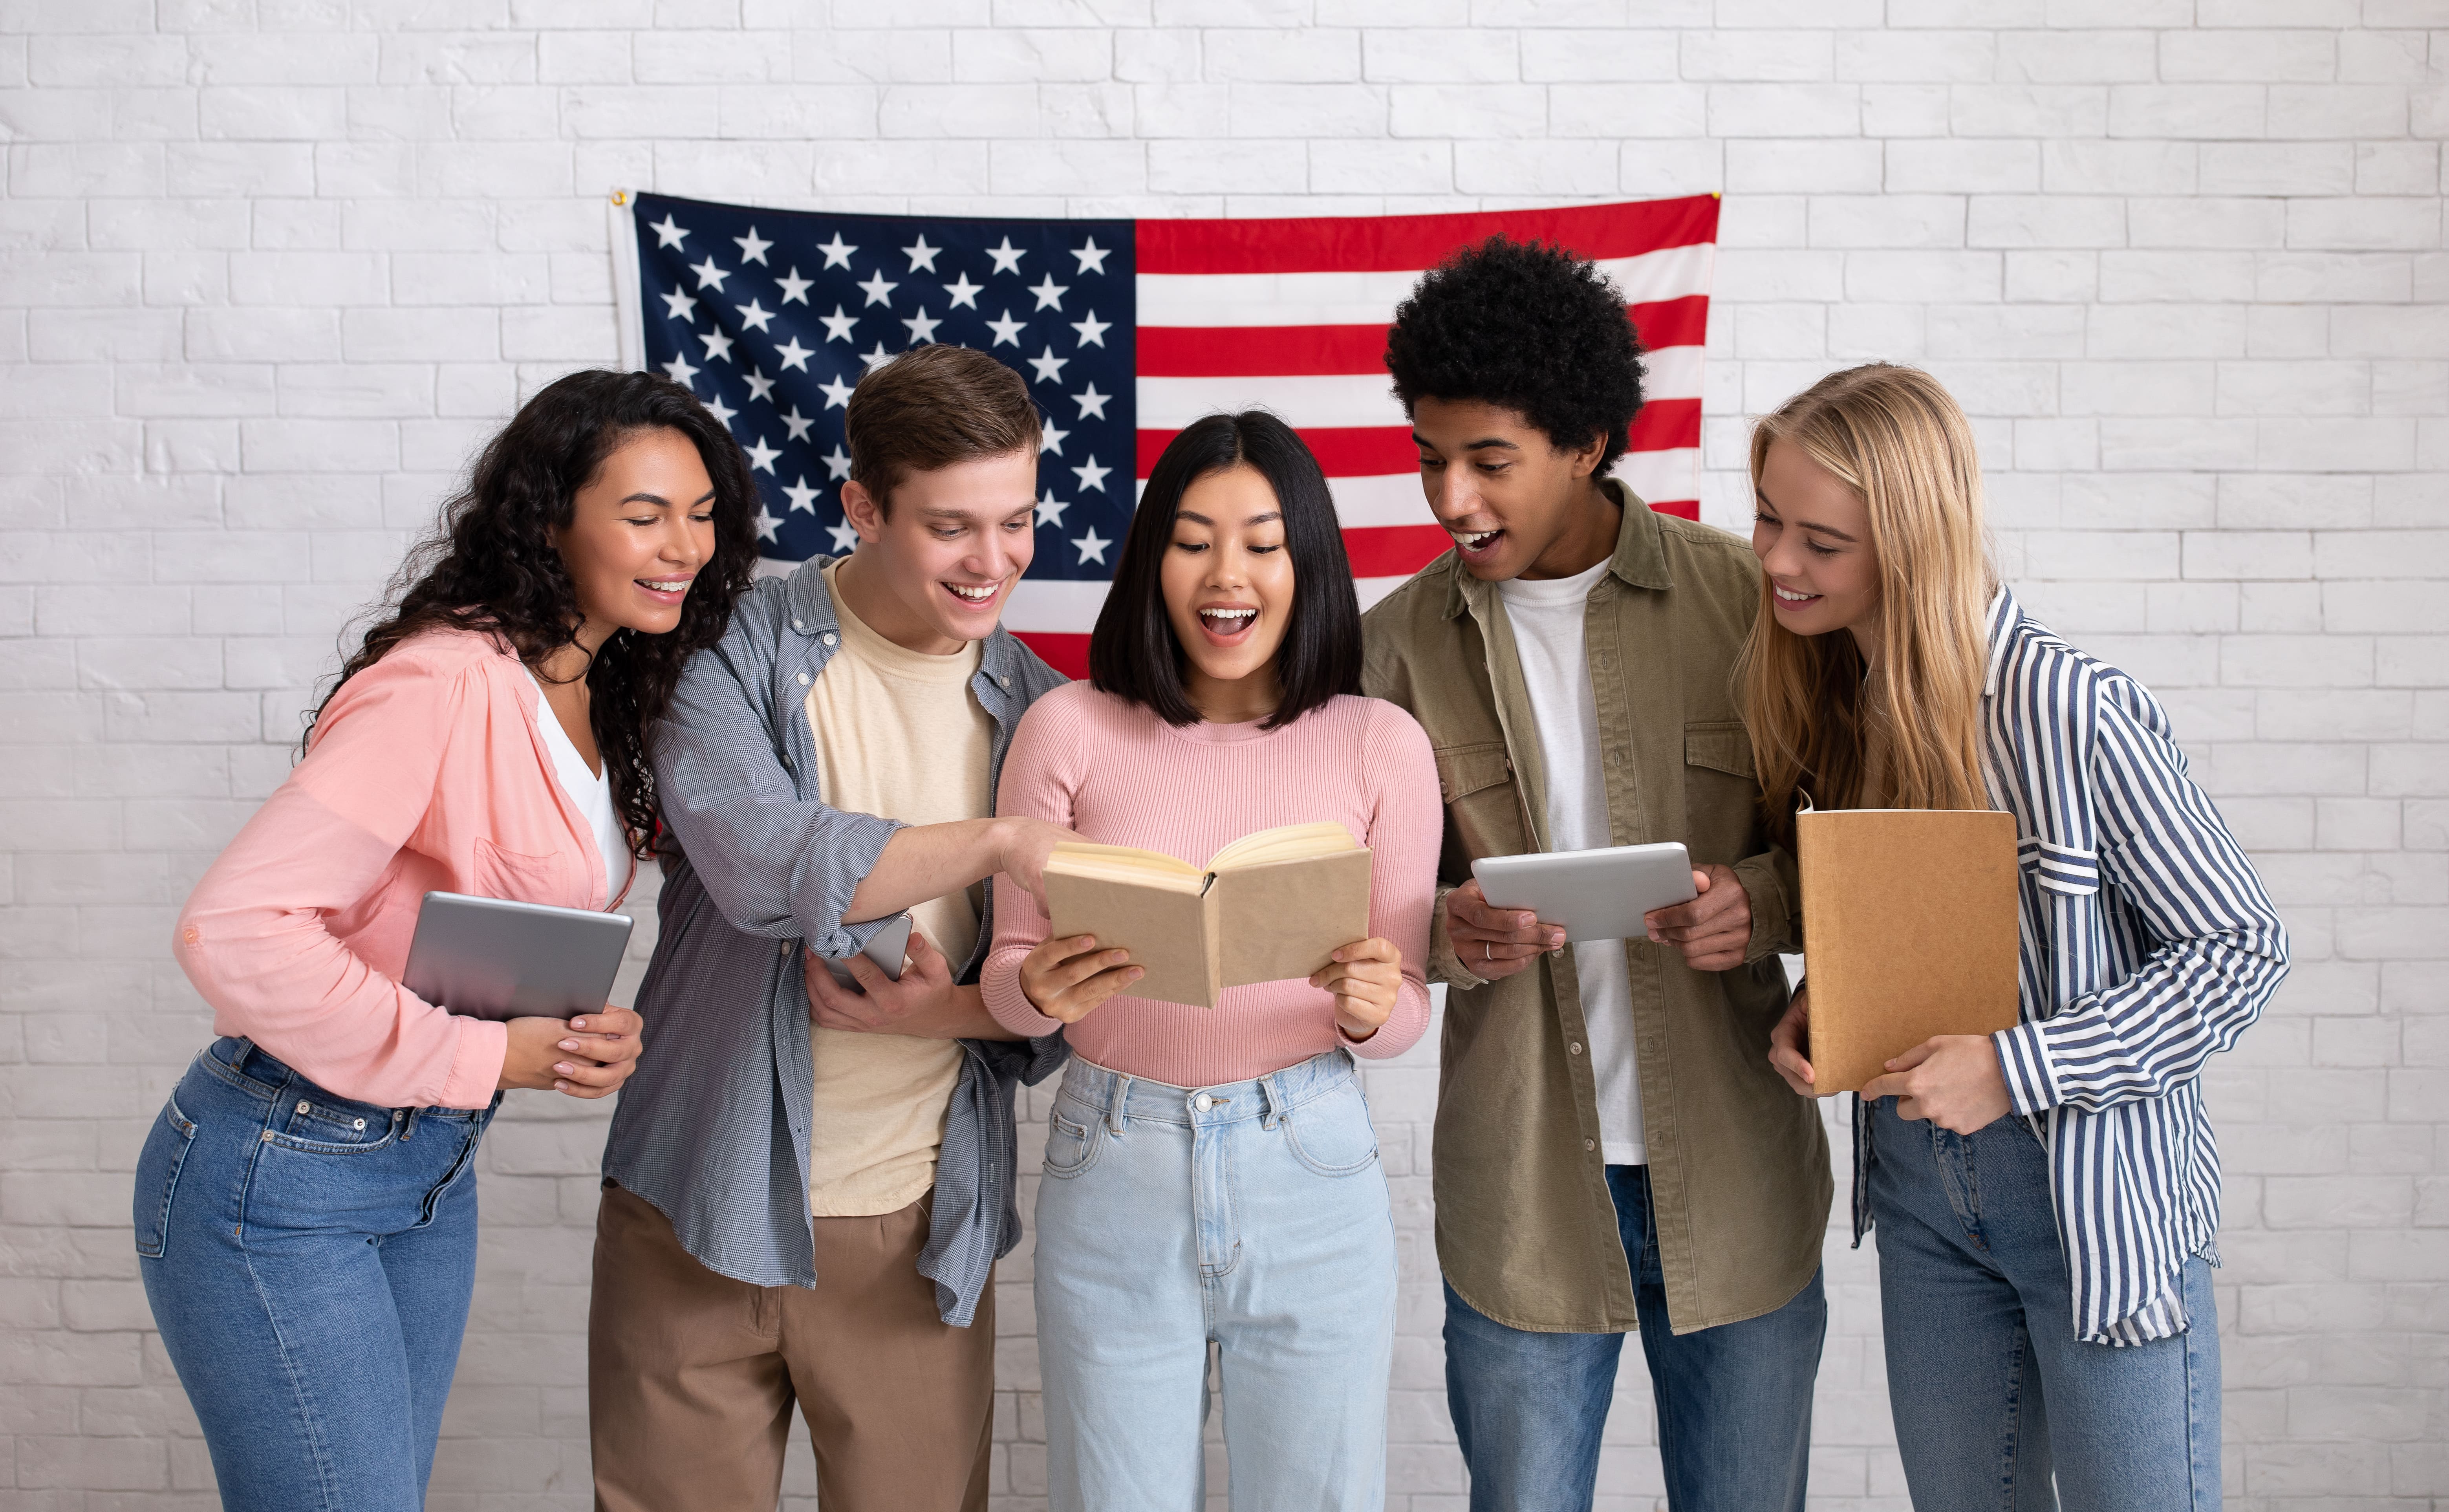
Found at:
[1119, 1094]
[409, 1132]
[246, 1048]
[1271, 1098]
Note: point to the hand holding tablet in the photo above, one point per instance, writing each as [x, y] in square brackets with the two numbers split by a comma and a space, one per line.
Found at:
[1593, 894]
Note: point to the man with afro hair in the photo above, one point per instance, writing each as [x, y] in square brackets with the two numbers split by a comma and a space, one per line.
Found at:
[1613, 1150]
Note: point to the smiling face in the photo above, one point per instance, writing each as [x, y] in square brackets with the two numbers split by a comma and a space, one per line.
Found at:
[1515, 505]
[1227, 581]
[1812, 534]
[639, 529]
[933, 575]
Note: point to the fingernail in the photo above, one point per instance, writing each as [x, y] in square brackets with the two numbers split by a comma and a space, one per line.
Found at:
[567, 1069]
[578, 1023]
[567, 1044]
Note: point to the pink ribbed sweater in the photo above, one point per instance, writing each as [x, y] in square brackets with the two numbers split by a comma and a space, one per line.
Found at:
[1118, 774]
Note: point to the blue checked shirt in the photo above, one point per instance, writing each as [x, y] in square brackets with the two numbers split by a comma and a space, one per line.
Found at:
[713, 1126]
[2148, 945]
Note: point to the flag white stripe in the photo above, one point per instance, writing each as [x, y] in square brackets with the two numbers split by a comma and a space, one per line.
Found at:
[1369, 299]
[1336, 399]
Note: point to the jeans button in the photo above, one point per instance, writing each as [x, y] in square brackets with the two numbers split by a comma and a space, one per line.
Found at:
[304, 1106]
[1203, 1102]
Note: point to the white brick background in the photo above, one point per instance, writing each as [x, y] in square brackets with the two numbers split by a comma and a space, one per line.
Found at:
[270, 269]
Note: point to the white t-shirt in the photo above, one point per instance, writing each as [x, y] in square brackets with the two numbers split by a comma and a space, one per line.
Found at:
[591, 791]
[1547, 617]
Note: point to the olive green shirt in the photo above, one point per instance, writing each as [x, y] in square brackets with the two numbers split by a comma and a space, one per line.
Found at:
[1738, 1164]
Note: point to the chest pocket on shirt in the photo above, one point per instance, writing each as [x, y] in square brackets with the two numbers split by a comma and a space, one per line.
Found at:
[1721, 745]
[1483, 800]
[521, 878]
[2059, 868]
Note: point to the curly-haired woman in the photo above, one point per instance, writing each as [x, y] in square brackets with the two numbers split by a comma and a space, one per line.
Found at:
[305, 1218]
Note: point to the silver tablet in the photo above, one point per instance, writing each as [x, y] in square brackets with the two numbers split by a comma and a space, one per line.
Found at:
[886, 953]
[489, 958]
[1594, 894]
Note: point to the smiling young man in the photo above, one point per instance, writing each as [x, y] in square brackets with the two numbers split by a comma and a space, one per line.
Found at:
[1613, 1149]
[805, 1197]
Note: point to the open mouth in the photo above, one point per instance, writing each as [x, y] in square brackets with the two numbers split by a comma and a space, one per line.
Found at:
[1476, 545]
[1228, 624]
[973, 595]
[664, 589]
[1788, 599]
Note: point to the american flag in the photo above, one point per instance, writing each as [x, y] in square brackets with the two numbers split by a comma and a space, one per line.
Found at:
[1127, 330]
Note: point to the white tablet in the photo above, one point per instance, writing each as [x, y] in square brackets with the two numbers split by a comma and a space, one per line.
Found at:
[489, 958]
[1595, 894]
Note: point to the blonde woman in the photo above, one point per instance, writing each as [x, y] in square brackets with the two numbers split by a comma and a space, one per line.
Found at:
[2045, 1197]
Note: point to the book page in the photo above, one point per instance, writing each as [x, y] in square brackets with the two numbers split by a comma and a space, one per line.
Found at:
[1130, 864]
[1284, 843]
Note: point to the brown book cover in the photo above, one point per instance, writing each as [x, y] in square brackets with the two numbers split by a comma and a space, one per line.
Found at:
[1910, 928]
[1270, 906]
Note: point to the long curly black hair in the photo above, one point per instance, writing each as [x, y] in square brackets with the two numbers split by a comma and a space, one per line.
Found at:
[492, 566]
[1527, 326]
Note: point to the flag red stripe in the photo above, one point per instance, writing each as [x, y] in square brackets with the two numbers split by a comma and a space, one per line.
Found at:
[1393, 550]
[1268, 351]
[1355, 451]
[1375, 450]
[1395, 243]
[1662, 425]
[1065, 653]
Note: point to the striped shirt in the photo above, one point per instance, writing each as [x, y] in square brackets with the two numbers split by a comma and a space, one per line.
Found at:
[2148, 944]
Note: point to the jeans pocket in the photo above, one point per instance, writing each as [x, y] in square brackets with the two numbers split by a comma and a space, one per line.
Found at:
[1071, 1147]
[157, 1176]
[1332, 1135]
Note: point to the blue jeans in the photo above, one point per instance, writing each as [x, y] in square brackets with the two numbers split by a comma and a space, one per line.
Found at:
[1992, 1392]
[1734, 1401]
[309, 1260]
[1253, 1215]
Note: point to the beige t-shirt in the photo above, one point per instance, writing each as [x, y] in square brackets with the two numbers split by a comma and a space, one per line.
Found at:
[897, 734]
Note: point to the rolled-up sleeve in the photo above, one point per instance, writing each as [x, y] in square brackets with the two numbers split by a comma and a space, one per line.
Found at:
[256, 936]
[2221, 952]
[777, 865]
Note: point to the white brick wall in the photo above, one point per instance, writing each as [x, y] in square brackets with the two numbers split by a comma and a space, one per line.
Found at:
[268, 271]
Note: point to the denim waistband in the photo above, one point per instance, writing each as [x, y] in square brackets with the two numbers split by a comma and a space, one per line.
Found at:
[1118, 1098]
[257, 1072]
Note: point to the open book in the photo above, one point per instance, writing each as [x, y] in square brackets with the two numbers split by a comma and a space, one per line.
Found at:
[1911, 921]
[1271, 905]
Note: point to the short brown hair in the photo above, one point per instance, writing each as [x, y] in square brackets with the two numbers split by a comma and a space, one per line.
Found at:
[931, 407]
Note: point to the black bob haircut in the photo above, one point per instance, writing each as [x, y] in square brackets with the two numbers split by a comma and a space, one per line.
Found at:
[1134, 653]
[1527, 326]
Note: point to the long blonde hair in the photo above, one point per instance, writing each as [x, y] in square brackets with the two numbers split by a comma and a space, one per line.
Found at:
[1897, 438]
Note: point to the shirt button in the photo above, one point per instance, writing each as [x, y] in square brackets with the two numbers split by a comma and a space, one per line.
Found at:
[1203, 1102]
[1005, 680]
[829, 640]
[786, 947]
[799, 624]
[1589, 1144]
[1576, 1047]
[803, 679]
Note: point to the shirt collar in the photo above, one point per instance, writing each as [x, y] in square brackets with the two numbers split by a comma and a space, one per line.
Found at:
[2004, 613]
[1640, 559]
[813, 614]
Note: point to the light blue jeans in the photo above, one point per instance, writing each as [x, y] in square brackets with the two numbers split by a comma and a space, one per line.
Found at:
[309, 1260]
[1253, 1215]
[1991, 1391]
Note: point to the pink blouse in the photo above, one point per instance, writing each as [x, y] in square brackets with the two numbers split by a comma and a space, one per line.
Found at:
[1118, 774]
[426, 772]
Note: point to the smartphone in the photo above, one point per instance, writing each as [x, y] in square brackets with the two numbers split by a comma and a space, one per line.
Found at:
[886, 952]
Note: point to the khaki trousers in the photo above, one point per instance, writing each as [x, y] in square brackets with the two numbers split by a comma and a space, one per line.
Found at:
[691, 1375]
